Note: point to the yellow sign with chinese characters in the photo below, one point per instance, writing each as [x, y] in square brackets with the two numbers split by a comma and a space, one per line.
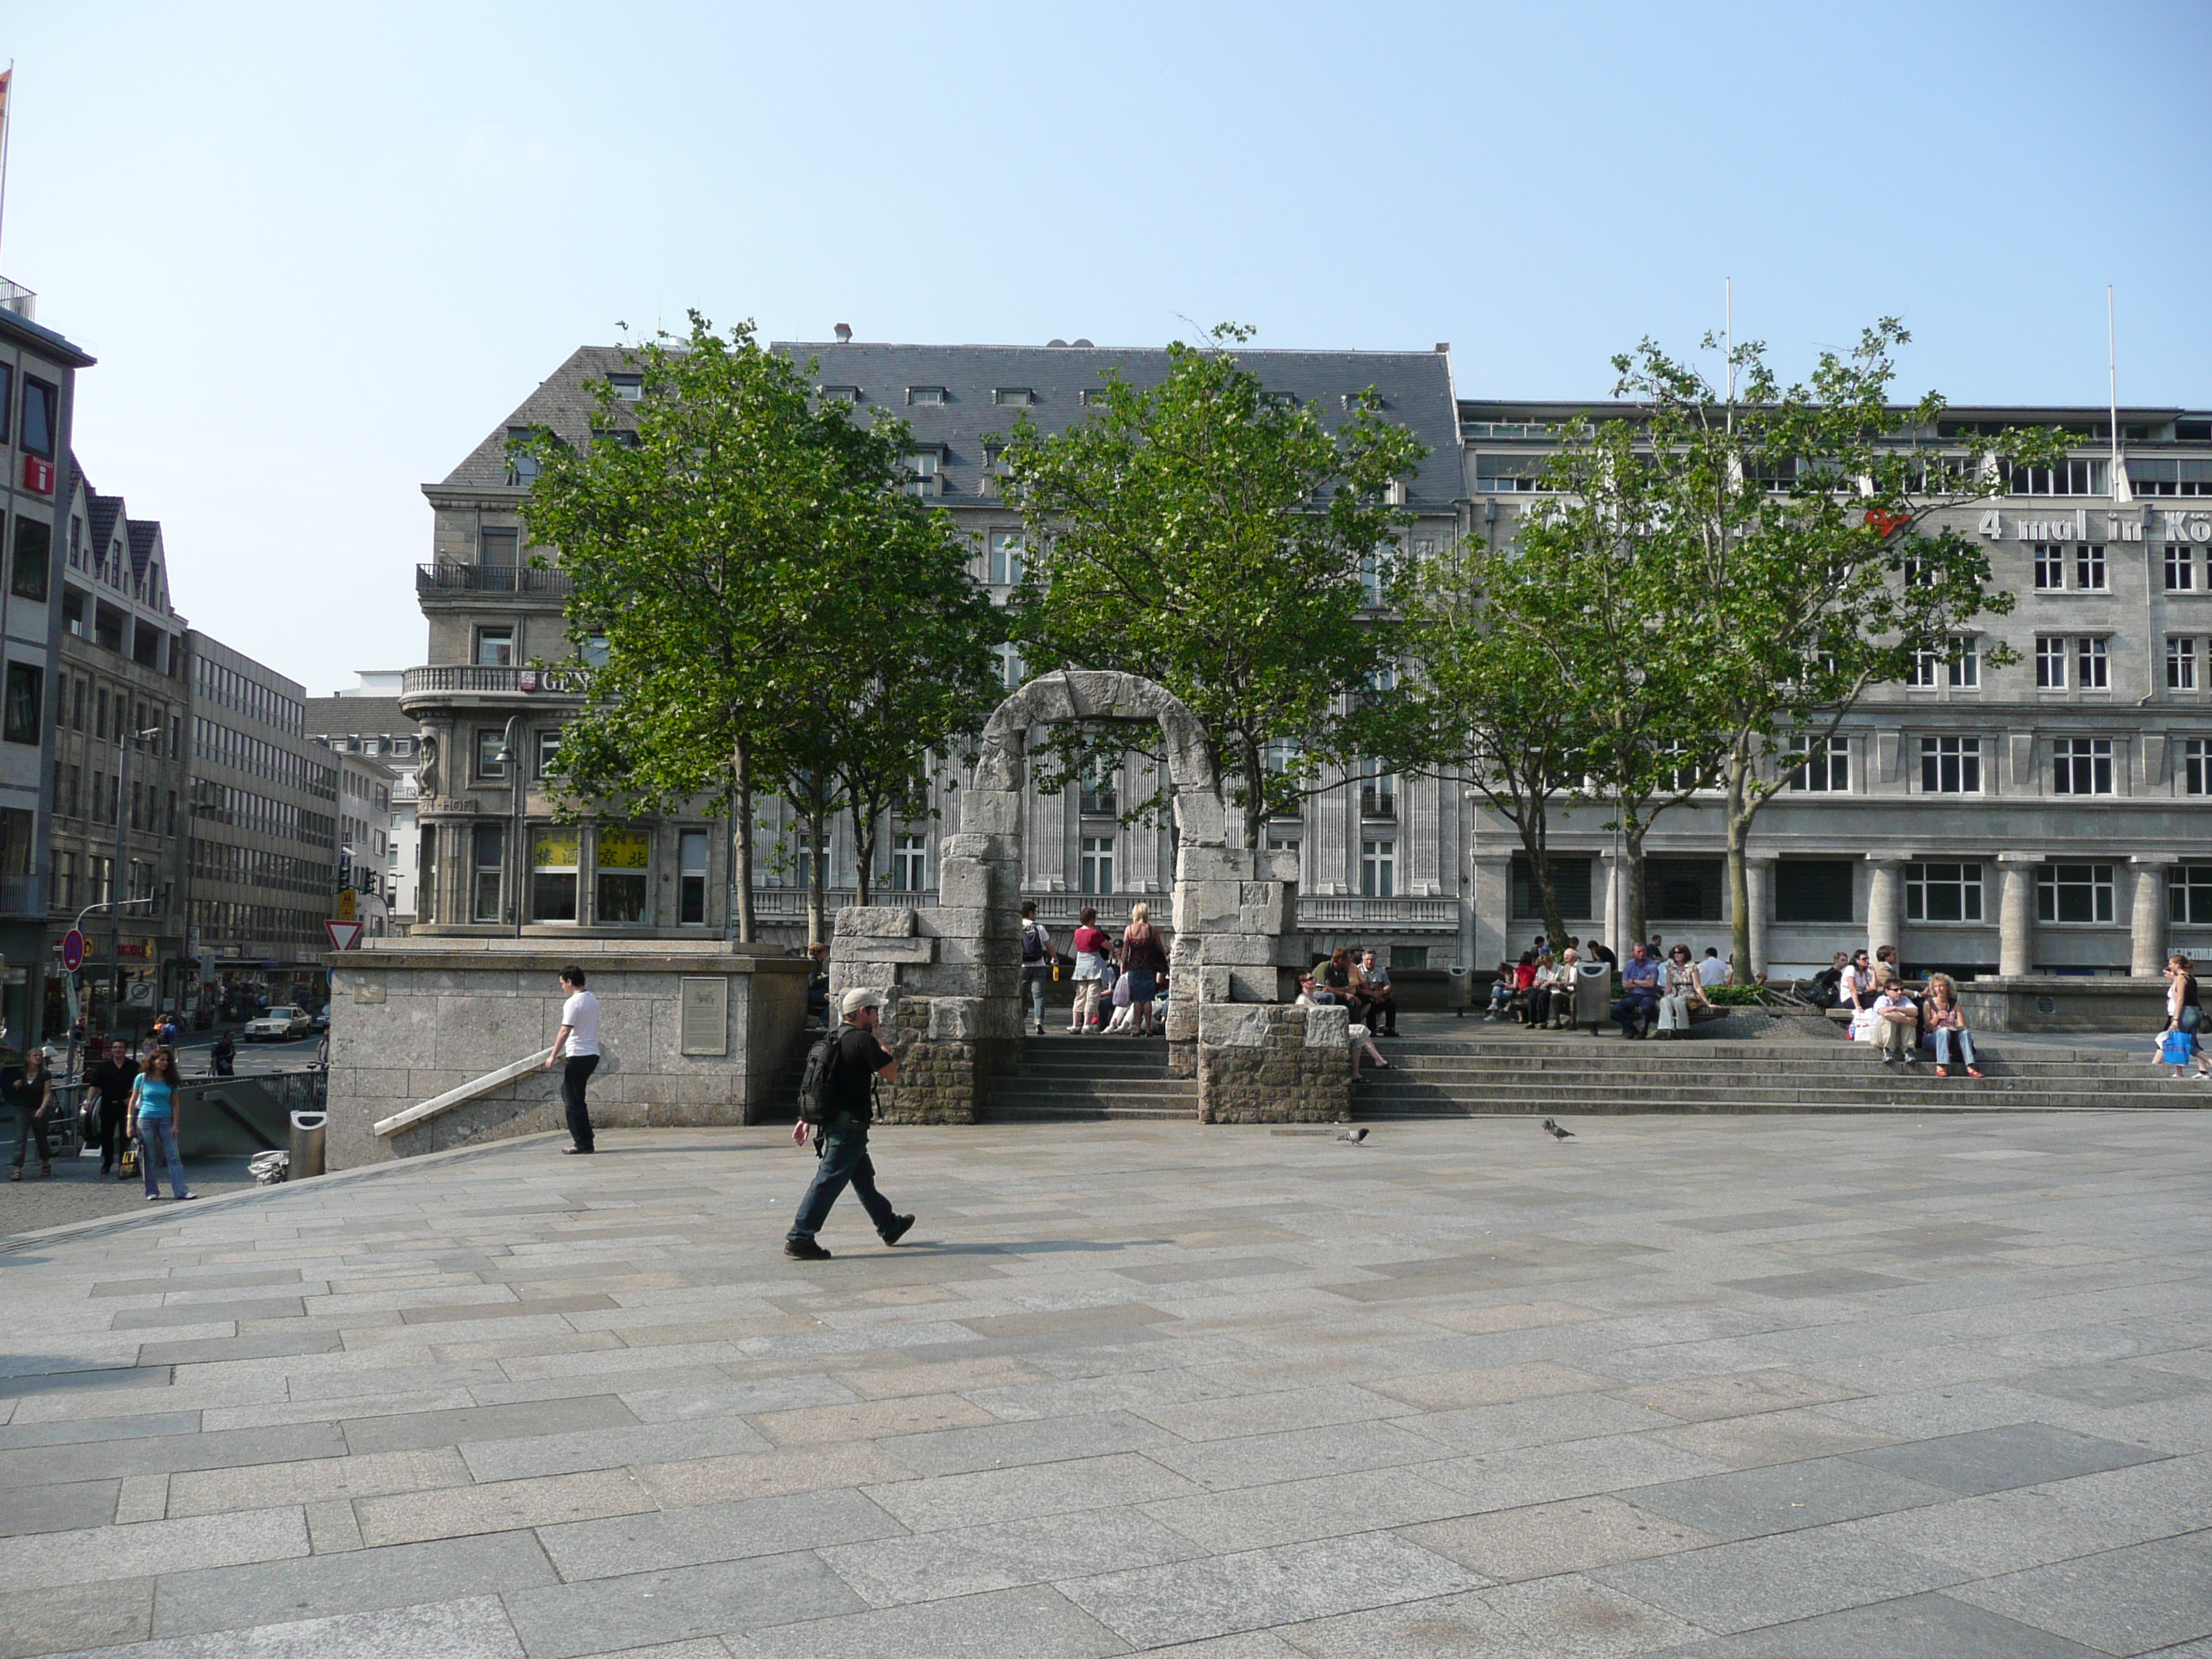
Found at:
[349, 905]
[623, 849]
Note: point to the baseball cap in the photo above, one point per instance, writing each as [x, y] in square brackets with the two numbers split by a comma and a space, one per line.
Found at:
[854, 1000]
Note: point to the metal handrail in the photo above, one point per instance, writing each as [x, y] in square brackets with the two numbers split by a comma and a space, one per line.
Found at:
[444, 578]
[569, 681]
[475, 1089]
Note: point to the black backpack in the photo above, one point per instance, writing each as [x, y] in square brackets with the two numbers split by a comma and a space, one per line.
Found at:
[1033, 938]
[817, 1102]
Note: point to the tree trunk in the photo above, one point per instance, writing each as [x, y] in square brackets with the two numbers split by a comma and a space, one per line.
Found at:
[866, 821]
[1739, 875]
[1633, 830]
[741, 840]
[817, 868]
[1256, 797]
[1535, 842]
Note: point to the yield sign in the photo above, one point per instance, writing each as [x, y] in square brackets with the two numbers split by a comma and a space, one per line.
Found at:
[344, 935]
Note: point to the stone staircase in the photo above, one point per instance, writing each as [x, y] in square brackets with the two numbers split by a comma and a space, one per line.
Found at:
[1069, 1079]
[1581, 1075]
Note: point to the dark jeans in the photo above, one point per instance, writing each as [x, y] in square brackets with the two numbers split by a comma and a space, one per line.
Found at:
[28, 1125]
[575, 1073]
[844, 1162]
[1637, 1007]
[1036, 975]
[108, 1126]
[1373, 1013]
[157, 1147]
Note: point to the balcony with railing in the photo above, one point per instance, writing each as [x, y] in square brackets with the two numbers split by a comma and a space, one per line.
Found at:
[783, 905]
[1381, 803]
[465, 579]
[467, 679]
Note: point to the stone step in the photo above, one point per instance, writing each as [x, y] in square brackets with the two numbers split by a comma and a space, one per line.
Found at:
[1166, 1088]
[1929, 1095]
[1687, 1069]
[1029, 1112]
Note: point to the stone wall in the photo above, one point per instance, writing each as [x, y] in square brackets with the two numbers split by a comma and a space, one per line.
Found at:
[2066, 1003]
[415, 1019]
[1273, 1063]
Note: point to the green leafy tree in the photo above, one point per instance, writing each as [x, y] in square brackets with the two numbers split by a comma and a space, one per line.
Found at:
[1220, 539]
[712, 531]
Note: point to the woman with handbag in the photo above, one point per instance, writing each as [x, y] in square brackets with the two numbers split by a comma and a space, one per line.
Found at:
[31, 1092]
[2184, 1017]
[1144, 959]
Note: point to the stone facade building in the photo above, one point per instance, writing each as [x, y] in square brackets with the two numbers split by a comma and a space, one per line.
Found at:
[366, 719]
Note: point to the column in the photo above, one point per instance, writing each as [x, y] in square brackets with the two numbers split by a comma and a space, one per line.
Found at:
[2016, 915]
[1758, 877]
[1885, 904]
[1492, 901]
[1421, 844]
[1333, 850]
[2147, 921]
[1612, 906]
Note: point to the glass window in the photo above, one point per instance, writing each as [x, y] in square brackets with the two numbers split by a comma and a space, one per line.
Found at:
[2081, 766]
[2089, 567]
[2196, 766]
[521, 469]
[1006, 556]
[7, 397]
[26, 686]
[1101, 795]
[2180, 568]
[1571, 885]
[2050, 566]
[490, 865]
[1942, 892]
[2074, 892]
[549, 745]
[909, 864]
[490, 741]
[1965, 667]
[2189, 894]
[26, 572]
[2092, 663]
[691, 879]
[2050, 662]
[1010, 667]
[628, 388]
[2181, 664]
[924, 394]
[802, 869]
[1926, 666]
[1829, 774]
[41, 416]
[1813, 889]
[625, 865]
[1951, 766]
[1378, 790]
[495, 647]
[1097, 864]
[496, 547]
[1378, 869]
[553, 873]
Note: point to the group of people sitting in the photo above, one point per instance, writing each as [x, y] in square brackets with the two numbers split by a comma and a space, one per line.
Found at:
[1657, 994]
[1363, 988]
[1885, 1014]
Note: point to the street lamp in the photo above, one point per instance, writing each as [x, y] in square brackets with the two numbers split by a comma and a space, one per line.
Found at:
[124, 743]
[509, 755]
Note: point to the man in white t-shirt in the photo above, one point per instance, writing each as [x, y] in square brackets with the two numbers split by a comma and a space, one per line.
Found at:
[1713, 971]
[580, 1041]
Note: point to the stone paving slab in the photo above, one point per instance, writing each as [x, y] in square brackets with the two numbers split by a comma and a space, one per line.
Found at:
[1728, 1387]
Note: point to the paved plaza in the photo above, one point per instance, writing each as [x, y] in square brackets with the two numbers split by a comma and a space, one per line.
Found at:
[1726, 1386]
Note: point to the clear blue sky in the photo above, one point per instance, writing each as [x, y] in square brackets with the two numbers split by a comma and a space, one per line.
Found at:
[321, 250]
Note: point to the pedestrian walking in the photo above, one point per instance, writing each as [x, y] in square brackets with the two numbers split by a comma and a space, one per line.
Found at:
[1091, 947]
[1144, 959]
[1036, 961]
[2185, 1015]
[856, 1060]
[30, 1091]
[108, 1087]
[154, 1112]
[578, 1044]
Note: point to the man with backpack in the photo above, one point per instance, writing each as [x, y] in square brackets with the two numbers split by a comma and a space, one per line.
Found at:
[1036, 961]
[836, 1097]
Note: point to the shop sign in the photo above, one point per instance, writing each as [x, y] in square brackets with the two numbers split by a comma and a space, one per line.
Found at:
[2114, 526]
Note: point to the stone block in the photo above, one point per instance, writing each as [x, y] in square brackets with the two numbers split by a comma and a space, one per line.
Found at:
[1278, 867]
[1326, 1028]
[1214, 984]
[1236, 949]
[876, 921]
[1201, 820]
[870, 976]
[991, 812]
[1218, 900]
[955, 1018]
[889, 949]
[950, 978]
[963, 883]
[1214, 863]
[1233, 1025]
[991, 848]
[1253, 984]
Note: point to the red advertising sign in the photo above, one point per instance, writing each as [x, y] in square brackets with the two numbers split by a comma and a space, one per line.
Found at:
[37, 476]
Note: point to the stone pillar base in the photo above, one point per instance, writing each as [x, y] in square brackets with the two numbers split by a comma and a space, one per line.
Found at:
[1269, 1063]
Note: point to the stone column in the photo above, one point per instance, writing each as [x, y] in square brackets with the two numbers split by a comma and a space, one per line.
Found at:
[1612, 900]
[1758, 877]
[2016, 915]
[1492, 899]
[2147, 921]
[1885, 904]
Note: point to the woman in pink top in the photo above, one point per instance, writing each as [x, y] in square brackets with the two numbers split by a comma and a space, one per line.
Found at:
[1091, 947]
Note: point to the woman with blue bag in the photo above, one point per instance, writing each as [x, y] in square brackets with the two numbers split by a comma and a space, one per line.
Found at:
[2184, 1019]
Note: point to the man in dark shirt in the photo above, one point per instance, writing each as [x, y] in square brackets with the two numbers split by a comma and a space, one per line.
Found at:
[841, 1144]
[111, 1080]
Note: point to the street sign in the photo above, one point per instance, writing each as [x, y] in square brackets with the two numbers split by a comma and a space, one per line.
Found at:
[344, 935]
[349, 906]
[72, 949]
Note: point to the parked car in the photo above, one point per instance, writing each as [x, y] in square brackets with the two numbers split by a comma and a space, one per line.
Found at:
[280, 1024]
[321, 1018]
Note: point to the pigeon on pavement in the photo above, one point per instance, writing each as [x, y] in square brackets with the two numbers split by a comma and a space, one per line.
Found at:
[1556, 1132]
[1355, 1136]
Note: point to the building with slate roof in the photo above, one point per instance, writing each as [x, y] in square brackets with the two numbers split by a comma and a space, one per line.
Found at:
[1376, 852]
[367, 720]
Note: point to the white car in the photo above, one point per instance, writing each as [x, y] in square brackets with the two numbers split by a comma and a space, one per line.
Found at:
[279, 1025]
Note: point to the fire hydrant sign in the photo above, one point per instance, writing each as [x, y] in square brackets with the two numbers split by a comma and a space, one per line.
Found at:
[344, 935]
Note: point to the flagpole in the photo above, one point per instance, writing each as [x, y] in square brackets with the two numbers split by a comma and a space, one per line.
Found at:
[6, 128]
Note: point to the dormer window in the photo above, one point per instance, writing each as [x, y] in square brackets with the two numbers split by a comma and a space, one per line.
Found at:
[1020, 397]
[841, 394]
[629, 388]
[923, 474]
[918, 395]
[1091, 396]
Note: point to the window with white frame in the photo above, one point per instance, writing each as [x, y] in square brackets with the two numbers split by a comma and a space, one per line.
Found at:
[2180, 568]
[923, 477]
[803, 854]
[1006, 557]
[2050, 566]
[924, 394]
[1942, 892]
[2092, 663]
[1964, 668]
[2089, 567]
[2074, 477]
[1378, 790]
[1378, 868]
[691, 879]
[2074, 892]
[1098, 864]
[2196, 766]
[1927, 668]
[1951, 766]
[1010, 667]
[2051, 654]
[909, 864]
[1828, 773]
[2189, 894]
[2081, 766]
[2180, 663]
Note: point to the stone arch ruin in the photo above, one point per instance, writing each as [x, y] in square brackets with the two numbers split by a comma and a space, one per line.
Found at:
[951, 976]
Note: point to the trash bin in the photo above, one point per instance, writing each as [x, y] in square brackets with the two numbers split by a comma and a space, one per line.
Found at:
[1463, 989]
[307, 1129]
[1593, 995]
